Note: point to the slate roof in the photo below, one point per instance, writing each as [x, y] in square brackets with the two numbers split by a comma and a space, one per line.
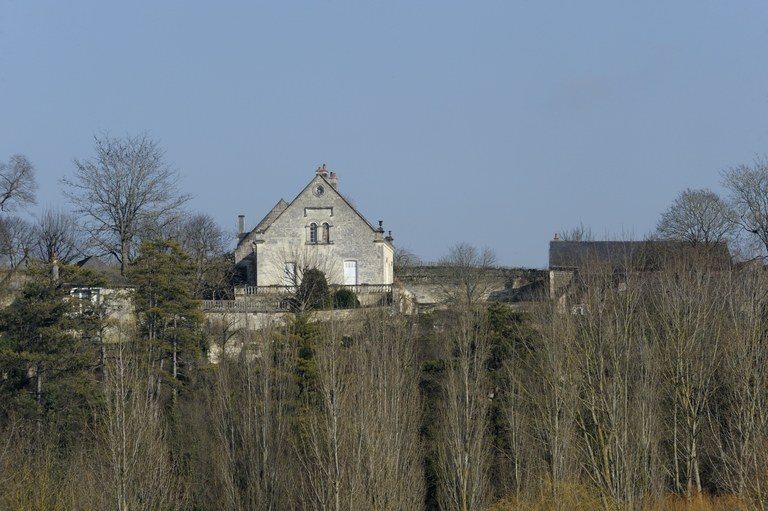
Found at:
[93, 263]
[271, 216]
[99, 266]
[624, 255]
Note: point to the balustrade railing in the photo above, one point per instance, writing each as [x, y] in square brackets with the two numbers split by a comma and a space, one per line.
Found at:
[359, 289]
[277, 298]
[243, 306]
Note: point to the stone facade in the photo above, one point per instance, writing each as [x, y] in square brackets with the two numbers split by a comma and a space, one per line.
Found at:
[318, 229]
[424, 288]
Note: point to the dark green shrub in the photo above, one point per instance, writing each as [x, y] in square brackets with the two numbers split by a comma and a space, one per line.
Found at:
[345, 298]
[313, 292]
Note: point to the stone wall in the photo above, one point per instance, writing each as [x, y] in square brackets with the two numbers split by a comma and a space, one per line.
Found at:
[239, 325]
[424, 288]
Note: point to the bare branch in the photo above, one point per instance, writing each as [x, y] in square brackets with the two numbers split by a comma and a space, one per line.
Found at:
[57, 233]
[749, 197]
[17, 183]
[125, 189]
[16, 240]
[467, 280]
[699, 217]
[578, 233]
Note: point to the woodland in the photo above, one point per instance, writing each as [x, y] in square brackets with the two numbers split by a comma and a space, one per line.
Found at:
[652, 394]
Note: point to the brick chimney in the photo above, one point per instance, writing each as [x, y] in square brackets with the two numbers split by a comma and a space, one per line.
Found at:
[240, 227]
[333, 180]
[322, 171]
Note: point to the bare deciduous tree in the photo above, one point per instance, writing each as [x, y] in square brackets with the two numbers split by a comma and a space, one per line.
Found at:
[206, 243]
[17, 238]
[57, 233]
[252, 395]
[466, 277]
[385, 413]
[127, 187]
[202, 238]
[685, 314]
[324, 442]
[578, 233]
[17, 183]
[618, 415]
[741, 423]
[403, 259]
[358, 438]
[699, 217]
[139, 473]
[463, 445]
[749, 197]
[551, 383]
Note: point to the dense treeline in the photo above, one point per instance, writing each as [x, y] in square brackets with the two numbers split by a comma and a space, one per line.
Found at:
[651, 392]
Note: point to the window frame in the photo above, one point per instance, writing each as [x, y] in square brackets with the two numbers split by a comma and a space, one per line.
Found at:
[325, 236]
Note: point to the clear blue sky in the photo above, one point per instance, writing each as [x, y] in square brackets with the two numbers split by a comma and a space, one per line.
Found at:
[496, 123]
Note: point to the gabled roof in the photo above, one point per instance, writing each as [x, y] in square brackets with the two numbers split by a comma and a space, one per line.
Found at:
[271, 216]
[281, 206]
[100, 267]
[93, 263]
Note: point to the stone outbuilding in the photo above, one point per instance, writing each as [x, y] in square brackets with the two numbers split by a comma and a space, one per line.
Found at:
[318, 229]
[571, 261]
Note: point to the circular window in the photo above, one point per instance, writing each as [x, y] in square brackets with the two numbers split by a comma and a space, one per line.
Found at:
[319, 190]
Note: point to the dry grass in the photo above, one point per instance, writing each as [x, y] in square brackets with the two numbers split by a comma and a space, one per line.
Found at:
[555, 496]
[701, 502]
[577, 497]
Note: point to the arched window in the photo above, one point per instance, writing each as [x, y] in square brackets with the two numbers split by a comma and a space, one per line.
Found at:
[313, 233]
[326, 233]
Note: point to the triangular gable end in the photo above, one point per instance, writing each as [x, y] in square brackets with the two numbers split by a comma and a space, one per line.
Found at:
[330, 188]
[277, 211]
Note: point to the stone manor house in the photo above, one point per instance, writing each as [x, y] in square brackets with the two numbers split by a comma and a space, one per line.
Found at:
[318, 229]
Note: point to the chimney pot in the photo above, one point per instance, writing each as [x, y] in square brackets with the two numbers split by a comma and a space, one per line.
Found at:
[241, 224]
[557, 238]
